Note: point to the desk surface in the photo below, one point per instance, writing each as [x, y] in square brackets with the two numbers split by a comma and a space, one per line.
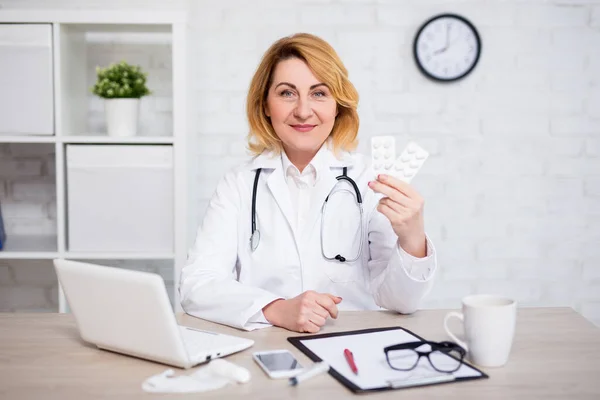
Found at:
[556, 354]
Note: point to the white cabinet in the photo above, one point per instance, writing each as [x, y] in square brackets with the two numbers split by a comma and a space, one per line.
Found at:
[26, 91]
[120, 198]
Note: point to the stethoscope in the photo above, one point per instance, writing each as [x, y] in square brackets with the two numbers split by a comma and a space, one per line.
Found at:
[255, 236]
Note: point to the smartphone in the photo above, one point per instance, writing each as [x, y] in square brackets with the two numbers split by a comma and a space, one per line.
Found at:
[278, 363]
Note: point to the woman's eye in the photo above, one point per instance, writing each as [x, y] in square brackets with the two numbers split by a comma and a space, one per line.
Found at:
[320, 94]
[286, 93]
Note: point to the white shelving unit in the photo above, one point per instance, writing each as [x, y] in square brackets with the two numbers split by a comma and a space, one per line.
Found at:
[71, 91]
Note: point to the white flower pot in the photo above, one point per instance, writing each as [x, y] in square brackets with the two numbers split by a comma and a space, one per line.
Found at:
[121, 116]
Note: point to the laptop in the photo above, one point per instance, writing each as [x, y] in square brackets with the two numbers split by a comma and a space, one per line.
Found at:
[129, 312]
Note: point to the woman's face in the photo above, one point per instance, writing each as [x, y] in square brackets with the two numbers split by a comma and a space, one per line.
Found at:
[301, 108]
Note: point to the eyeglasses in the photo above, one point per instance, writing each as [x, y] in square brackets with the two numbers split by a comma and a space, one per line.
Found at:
[443, 356]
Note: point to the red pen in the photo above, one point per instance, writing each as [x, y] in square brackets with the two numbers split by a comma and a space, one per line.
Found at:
[350, 359]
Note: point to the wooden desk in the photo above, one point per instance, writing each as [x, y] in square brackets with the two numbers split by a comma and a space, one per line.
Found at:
[556, 355]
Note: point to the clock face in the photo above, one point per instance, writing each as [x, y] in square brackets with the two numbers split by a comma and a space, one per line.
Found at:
[447, 47]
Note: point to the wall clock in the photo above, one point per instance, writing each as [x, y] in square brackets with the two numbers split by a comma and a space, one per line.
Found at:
[446, 48]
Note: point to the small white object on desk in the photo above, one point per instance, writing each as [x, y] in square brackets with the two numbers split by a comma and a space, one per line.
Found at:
[227, 369]
[405, 167]
[316, 369]
[217, 374]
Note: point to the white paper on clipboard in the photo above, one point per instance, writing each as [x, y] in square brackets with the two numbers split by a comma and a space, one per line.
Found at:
[373, 369]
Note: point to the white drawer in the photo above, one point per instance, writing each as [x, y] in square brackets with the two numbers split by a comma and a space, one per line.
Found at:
[120, 198]
[26, 97]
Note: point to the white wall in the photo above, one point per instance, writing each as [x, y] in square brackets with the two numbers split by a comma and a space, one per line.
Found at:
[513, 184]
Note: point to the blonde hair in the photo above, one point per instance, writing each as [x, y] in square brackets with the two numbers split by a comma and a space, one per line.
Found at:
[324, 62]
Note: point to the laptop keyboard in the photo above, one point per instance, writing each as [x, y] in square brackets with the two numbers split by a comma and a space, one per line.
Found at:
[199, 342]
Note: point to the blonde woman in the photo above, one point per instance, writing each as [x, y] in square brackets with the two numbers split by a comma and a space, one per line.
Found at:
[304, 228]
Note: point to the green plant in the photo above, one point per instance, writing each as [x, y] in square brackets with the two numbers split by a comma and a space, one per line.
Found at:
[122, 80]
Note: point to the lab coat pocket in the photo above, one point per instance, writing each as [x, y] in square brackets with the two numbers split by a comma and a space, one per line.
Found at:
[345, 272]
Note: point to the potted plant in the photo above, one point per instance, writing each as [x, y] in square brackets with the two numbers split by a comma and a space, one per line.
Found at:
[121, 86]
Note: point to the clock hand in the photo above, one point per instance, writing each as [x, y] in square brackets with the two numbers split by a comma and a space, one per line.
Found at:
[447, 35]
[443, 49]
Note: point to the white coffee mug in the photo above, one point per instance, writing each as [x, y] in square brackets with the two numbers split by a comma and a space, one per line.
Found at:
[489, 323]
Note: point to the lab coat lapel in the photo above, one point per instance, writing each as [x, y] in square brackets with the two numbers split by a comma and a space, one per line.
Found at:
[276, 183]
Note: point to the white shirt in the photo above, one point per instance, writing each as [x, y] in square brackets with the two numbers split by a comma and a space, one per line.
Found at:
[300, 185]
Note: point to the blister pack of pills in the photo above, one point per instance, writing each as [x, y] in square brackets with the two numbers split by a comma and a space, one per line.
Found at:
[404, 167]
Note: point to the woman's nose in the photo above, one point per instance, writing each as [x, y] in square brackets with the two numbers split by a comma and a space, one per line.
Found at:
[303, 109]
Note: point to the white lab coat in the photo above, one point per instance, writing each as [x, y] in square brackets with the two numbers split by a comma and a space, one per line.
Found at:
[226, 282]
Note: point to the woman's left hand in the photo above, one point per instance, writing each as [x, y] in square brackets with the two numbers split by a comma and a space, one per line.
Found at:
[403, 206]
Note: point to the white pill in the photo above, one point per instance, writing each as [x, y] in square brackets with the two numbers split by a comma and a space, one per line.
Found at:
[229, 370]
[405, 158]
[387, 144]
[412, 148]
[421, 155]
[377, 154]
[399, 166]
[414, 164]
[388, 165]
[377, 165]
[376, 143]
[388, 154]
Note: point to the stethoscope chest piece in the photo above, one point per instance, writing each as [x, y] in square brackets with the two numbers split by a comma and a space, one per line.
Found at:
[254, 240]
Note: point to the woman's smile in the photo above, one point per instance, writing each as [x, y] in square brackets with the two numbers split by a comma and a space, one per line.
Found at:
[303, 127]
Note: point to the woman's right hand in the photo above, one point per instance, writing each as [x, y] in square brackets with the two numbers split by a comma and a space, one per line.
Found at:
[307, 312]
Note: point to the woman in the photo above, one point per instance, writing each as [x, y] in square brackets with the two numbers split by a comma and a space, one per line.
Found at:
[306, 260]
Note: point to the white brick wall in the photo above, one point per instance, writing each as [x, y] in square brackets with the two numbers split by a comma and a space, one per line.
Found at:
[513, 183]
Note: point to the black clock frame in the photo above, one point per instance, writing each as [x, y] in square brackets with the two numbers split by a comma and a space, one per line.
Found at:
[424, 25]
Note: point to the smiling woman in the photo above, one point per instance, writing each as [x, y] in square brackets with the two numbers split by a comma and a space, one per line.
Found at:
[301, 85]
[282, 240]
[302, 113]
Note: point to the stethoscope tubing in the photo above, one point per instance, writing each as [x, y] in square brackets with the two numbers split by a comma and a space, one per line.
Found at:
[255, 233]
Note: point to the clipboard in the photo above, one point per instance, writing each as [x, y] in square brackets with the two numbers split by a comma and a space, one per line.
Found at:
[367, 346]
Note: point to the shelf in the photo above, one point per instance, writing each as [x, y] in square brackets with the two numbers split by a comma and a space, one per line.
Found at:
[110, 18]
[159, 42]
[92, 139]
[44, 247]
[27, 139]
[119, 140]
[118, 256]
[29, 247]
